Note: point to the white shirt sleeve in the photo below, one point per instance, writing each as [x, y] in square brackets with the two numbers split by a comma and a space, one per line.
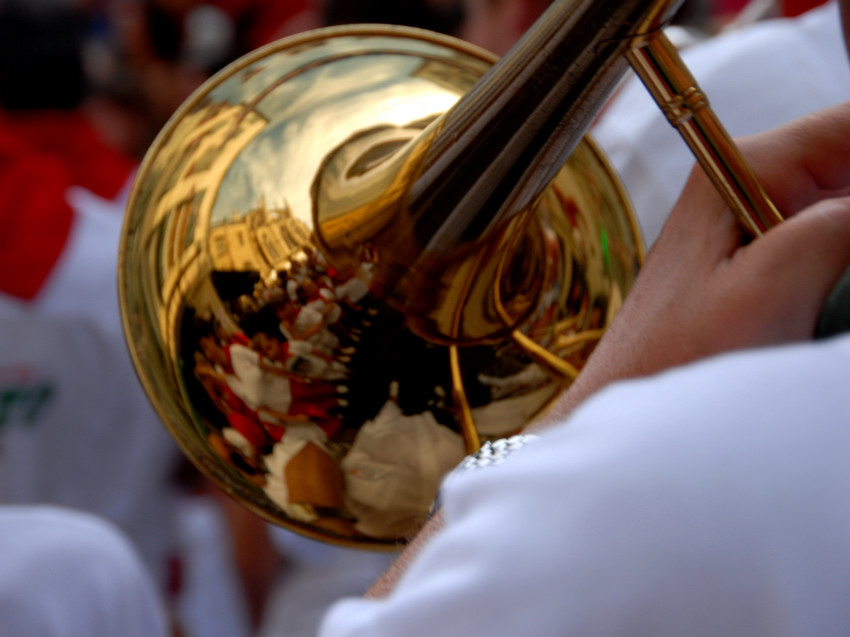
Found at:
[711, 500]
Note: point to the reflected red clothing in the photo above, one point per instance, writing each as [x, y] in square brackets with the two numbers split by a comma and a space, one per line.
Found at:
[249, 427]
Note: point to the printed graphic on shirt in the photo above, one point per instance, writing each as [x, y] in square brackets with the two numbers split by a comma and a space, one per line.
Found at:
[25, 396]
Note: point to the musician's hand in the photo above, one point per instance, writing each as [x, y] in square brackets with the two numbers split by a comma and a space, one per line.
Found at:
[702, 292]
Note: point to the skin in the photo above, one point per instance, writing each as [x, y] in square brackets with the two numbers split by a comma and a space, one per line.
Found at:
[703, 290]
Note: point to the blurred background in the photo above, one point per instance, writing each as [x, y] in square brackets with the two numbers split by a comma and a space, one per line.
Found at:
[142, 58]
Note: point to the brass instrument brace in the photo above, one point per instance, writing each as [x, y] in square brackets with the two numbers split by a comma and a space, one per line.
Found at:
[658, 64]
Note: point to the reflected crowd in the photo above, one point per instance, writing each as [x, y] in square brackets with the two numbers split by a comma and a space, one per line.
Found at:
[308, 417]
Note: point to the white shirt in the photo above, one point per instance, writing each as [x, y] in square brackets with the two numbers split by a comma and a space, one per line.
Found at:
[76, 429]
[710, 500]
[755, 79]
[256, 386]
[69, 574]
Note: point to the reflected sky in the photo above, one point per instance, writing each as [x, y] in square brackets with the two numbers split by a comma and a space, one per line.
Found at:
[309, 115]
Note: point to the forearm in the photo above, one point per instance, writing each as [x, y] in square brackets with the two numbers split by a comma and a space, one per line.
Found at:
[387, 582]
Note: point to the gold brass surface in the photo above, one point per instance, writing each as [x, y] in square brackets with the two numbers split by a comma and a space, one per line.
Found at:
[251, 274]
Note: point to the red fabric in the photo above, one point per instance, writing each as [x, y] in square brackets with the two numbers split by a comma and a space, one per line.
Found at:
[264, 19]
[70, 138]
[240, 338]
[41, 156]
[793, 8]
[275, 431]
[175, 576]
[789, 8]
[249, 427]
[35, 219]
[728, 7]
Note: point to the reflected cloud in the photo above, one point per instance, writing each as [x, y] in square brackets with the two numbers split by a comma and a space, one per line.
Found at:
[281, 162]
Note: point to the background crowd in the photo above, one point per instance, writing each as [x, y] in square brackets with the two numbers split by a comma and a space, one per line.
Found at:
[85, 85]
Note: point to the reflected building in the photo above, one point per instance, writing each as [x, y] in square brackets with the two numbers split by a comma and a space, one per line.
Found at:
[208, 140]
[262, 239]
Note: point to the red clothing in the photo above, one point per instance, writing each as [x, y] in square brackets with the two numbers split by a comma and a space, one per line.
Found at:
[249, 427]
[264, 21]
[41, 156]
[791, 8]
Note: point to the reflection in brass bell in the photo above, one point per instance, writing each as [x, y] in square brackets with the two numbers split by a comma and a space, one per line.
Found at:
[291, 356]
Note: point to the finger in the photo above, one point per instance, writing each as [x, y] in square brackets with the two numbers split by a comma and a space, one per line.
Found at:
[804, 160]
[701, 229]
[799, 164]
[793, 268]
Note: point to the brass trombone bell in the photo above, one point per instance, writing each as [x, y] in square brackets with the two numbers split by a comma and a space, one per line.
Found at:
[324, 326]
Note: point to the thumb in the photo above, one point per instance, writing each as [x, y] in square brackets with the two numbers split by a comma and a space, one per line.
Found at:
[796, 265]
